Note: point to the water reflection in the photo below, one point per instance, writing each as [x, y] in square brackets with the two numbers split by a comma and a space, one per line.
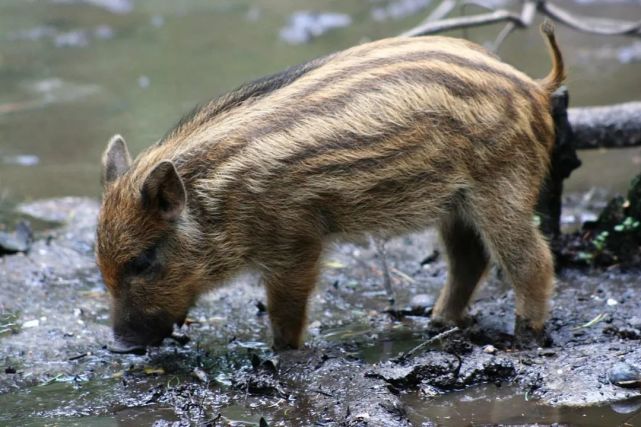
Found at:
[74, 72]
[506, 405]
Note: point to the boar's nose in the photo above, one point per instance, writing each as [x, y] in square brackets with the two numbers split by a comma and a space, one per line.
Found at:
[135, 343]
[138, 332]
[181, 321]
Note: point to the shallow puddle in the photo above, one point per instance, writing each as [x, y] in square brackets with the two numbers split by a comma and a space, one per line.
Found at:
[507, 405]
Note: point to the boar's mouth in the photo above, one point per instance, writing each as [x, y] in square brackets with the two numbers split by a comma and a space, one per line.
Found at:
[123, 347]
[134, 345]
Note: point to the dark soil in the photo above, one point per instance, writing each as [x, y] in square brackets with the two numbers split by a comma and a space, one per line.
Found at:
[54, 329]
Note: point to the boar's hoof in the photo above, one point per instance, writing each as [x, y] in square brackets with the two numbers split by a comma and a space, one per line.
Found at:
[526, 337]
[122, 348]
[442, 322]
[284, 346]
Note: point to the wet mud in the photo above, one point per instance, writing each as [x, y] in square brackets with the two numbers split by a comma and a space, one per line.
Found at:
[364, 362]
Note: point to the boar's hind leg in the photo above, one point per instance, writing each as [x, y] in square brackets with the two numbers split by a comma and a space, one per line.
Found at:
[467, 263]
[288, 289]
[520, 249]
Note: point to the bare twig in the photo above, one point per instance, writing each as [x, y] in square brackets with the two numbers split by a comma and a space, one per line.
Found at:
[441, 11]
[525, 19]
[607, 27]
[379, 244]
[319, 391]
[528, 12]
[505, 32]
[478, 3]
[427, 343]
[464, 22]
[80, 356]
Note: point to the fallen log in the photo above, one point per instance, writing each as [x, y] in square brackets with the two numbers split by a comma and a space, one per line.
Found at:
[612, 126]
[562, 162]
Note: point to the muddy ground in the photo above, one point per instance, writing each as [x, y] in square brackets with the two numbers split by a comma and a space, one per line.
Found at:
[55, 368]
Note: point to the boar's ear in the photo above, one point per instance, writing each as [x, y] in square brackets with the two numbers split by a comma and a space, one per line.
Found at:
[163, 191]
[115, 160]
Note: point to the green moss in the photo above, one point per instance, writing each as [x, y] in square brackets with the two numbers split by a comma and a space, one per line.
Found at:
[9, 323]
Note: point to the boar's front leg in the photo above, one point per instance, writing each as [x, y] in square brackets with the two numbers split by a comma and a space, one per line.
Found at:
[289, 284]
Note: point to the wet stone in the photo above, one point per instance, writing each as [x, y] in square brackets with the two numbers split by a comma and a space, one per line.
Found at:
[626, 407]
[485, 368]
[547, 352]
[428, 390]
[489, 349]
[436, 368]
[623, 332]
[635, 322]
[18, 241]
[421, 302]
[258, 383]
[625, 375]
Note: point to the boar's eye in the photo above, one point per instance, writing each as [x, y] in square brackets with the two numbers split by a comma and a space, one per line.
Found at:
[143, 263]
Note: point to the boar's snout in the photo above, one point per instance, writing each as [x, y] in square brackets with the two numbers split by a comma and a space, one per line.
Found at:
[135, 331]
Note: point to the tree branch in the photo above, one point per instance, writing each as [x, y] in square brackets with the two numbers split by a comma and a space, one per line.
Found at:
[527, 16]
[581, 23]
[607, 27]
[463, 22]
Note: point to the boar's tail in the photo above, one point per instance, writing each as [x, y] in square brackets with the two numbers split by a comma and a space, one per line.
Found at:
[552, 81]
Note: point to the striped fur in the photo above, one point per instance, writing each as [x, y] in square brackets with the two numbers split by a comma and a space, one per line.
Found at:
[385, 138]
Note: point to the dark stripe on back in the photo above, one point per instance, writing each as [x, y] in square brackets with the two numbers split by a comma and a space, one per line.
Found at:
[524, 87]
[254, 89]
[345, 141]
[349, 72]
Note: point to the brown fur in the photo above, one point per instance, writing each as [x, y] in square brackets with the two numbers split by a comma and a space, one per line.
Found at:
[385, 138]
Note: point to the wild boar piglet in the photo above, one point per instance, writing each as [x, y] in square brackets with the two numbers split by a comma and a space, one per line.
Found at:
[384, 138]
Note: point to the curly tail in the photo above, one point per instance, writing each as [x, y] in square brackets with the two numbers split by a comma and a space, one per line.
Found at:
[555, 78]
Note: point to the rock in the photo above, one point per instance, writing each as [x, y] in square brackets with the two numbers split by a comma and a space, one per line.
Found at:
[547, 352]
[421, 301]
[200, 375]
[258, 383]
[428, 390]
[485, 369]
[626, 406]
[625, 375]
[436, 369]
[489, 349]
[31, 324]
[635, 322]
[18, 241]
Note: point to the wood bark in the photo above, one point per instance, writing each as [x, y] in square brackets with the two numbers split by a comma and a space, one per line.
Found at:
[563, 161]
[612, 126]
